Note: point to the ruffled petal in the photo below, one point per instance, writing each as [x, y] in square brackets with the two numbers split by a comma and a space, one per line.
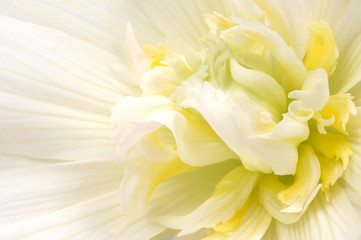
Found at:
[175, 196]
[230, 194]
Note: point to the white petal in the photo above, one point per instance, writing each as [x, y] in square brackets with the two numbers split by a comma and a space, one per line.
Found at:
[182, 21]
[230, 195]
[40, 192]
[96, 22]
[334, 220]
[346, 29]
[100, 216]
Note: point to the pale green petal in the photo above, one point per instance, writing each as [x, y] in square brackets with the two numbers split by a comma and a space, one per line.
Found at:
[285, 56]
[288, 18]
[262, 87]
[334, 220]
[233, 123]
[176, 196]
[229, 196]
[248, 133]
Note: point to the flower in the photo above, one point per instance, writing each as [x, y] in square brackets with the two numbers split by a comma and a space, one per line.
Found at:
[229, 120]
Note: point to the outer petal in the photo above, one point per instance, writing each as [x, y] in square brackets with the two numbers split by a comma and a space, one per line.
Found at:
[352, 174]
[288, 18]
[337, 216]
[40, 199]
[61, 113]
[96, 22]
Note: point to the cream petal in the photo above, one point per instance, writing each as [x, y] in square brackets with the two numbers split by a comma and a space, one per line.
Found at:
[97, 22]
[332, 220]
[289, 20]
[182, 21]
[37, 129]
[220, 207]
[352, 174]
[96, 216]
[141, 178]
[345, 28]
[312, 97]
[39, 192]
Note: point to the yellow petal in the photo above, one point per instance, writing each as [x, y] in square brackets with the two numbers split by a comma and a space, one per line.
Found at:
[305, 185]
[322, 51]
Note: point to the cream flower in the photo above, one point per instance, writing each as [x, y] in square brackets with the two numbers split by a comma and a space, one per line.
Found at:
[185, 119]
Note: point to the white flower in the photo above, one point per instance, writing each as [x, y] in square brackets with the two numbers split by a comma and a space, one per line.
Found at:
[229, 119]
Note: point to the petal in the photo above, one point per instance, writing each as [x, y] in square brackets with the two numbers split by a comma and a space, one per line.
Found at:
[352, 174]
[253, 225]
[268, 93]
[97, 22]
[175, 196]
[98, 216]
[230, 194]
[182, 21]
[348, 71]
[289, 20]
[141, 178]
[305, 186]
[247, 133]
[337, 216]
[268, 194]
[292, 66]
[313, 96]
[40, 192]
[196, 143]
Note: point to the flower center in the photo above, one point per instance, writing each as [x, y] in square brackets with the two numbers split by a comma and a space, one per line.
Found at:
[246, 90]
